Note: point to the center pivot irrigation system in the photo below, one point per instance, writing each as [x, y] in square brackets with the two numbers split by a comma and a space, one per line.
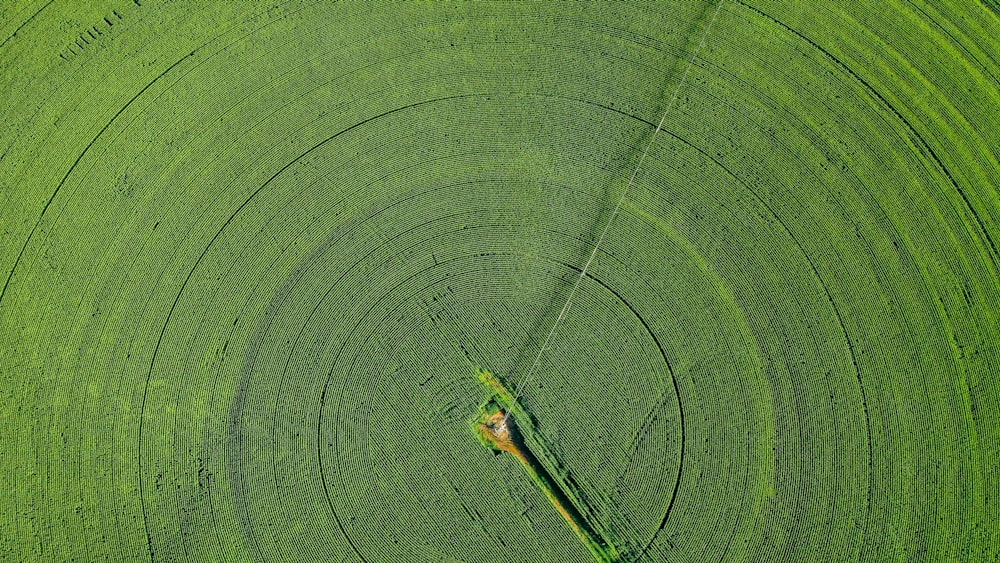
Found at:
[495, 425]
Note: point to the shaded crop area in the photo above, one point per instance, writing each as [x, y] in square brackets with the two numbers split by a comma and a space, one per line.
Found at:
[270, 272]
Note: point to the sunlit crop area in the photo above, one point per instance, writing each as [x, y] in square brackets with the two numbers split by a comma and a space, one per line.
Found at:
[652, 281]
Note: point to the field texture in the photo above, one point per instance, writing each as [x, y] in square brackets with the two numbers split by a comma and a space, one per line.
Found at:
[272, 274]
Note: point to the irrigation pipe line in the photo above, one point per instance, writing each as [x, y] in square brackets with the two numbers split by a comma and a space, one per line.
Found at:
[583, 273]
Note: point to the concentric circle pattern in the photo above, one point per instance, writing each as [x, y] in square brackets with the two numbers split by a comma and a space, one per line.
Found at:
[253, 256]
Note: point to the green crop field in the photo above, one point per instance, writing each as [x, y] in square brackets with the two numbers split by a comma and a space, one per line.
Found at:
[651, 281]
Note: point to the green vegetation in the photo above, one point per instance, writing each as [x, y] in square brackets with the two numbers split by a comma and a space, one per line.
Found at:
[253, 254]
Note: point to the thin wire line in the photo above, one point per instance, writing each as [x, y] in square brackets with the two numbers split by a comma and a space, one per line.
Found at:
[607, 227]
